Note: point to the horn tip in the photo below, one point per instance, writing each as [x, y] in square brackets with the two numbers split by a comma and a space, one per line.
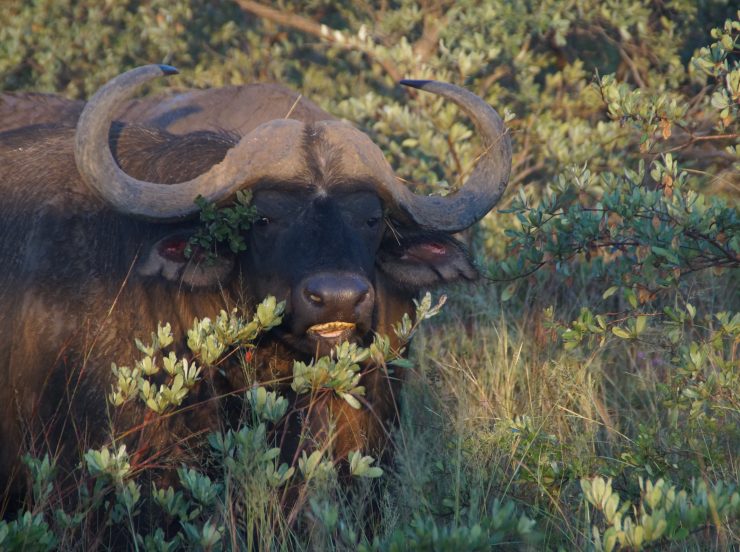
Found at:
[420, 84]
[168, 70]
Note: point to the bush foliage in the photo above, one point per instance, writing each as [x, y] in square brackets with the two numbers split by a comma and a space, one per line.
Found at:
[586, 394]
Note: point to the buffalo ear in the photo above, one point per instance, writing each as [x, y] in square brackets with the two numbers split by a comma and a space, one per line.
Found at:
[413, 260]
[166, 259]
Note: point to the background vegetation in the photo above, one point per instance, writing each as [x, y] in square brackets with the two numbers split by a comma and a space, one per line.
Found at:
[586, 394]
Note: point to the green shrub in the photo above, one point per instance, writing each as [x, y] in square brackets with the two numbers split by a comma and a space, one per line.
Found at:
[585, 395]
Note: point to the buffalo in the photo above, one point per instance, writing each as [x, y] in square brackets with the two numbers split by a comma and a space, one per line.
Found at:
[98, 201]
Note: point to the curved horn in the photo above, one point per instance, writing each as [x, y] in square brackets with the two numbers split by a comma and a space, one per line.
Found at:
[243, 165]
[486, 184]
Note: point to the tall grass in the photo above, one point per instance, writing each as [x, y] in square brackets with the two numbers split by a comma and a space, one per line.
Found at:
[499, 410]
[500, 426]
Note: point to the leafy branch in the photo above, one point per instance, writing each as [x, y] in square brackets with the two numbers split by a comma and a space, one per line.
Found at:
[222, 225]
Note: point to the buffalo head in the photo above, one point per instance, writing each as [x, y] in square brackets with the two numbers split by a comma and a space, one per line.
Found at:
[333, 217]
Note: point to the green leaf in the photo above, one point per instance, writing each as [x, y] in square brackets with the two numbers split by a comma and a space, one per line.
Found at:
[609, 292]
[351, 400]
[619, 332]
[691, 309]
[402, 363]
[666, 254]
[373, 472]
[631, 297]
[640, 324]
[509, 292]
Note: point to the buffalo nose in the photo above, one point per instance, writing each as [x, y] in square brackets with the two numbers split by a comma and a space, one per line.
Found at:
[330, 296]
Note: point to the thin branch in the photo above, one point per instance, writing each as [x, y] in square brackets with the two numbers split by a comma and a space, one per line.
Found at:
[694, 139]
[497, 74]
[287, 19]
[427, 43]
[623, 54]
[521, 175]
[323, 32]
[715, 137]
[518, 276]
[455, 157]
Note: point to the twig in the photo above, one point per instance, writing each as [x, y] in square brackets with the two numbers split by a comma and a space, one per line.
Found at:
[323, 32]
[427, 43]
[517, 277]
[623, 54]
[287, 19]
[694, 139]
[521, 175]
[455, 157]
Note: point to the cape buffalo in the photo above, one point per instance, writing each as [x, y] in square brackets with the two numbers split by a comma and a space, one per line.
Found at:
[95, 214]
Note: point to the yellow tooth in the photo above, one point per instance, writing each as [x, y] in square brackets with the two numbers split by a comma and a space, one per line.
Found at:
[331, 327]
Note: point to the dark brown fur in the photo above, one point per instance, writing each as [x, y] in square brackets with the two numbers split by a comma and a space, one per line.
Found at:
[83, 293]
[73, 294]
[70, 292]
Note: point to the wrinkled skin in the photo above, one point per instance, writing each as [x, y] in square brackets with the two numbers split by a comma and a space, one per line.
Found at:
[80, 281]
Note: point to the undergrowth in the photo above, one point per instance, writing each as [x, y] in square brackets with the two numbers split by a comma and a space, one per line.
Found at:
[583, 396]
[509, 436]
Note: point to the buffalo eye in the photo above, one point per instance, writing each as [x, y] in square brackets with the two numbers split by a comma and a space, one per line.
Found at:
[174, 249]
[373, 222]
[414, 259]
[262, 221]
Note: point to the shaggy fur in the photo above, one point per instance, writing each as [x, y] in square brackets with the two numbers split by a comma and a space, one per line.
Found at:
[80, 281]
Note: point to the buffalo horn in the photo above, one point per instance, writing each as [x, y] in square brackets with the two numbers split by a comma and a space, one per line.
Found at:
[269, 150]
[273, 151]
[485, 185]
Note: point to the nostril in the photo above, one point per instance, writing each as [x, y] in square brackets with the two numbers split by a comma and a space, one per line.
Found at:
[314, 298]
[361, 296]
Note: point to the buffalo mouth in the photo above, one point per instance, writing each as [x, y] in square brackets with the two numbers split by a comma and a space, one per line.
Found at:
[320, 339]
[333, 331]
